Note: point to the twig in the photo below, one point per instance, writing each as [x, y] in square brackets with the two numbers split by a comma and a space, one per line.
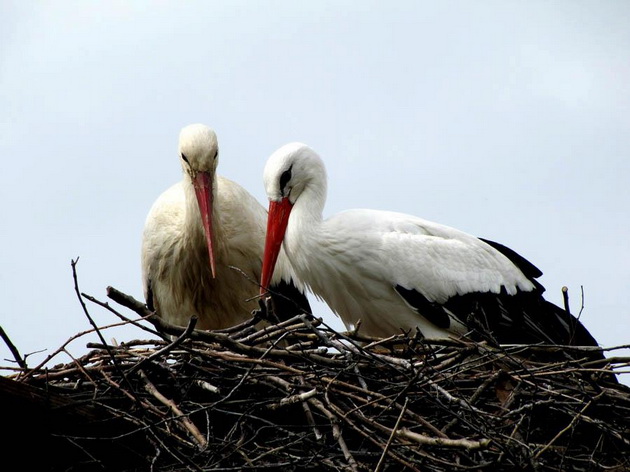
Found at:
[189, 425]
[443, 442]
[336, 432]
[565, 298]
[74, 263]
[574, 420]
[14, 350]
[391, 436]
[128, 301]
[399, 403]
[108, 307]
[166, 349]
[298, 397]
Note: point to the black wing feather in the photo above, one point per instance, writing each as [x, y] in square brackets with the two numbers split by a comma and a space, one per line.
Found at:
[288, 300]
[527, 268]
[150, 302]
[501, 318]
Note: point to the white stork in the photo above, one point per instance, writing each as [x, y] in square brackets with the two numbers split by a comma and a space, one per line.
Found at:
[194, 232]
[398, 272]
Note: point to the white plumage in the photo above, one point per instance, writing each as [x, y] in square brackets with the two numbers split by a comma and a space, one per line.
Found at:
[396, 272]
[186, 266]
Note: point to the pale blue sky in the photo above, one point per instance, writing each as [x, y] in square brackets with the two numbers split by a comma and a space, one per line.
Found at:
[508, 120]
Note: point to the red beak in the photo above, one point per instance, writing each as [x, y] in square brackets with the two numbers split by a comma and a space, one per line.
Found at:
[203, 190]
[277, 220]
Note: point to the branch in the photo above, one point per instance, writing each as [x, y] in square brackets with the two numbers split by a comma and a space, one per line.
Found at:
[443, 442]
[189, 425]
[16, 354]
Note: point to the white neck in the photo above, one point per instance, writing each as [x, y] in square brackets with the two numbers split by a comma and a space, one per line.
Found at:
[305, 224]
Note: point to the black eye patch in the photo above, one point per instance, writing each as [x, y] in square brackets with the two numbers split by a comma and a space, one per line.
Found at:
[185, 159]
[284, 178]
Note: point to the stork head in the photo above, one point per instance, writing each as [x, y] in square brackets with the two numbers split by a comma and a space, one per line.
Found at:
[199, 156]
[289, 173]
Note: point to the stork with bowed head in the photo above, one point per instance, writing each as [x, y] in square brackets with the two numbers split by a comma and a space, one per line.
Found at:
[203, 243]
[396, 272]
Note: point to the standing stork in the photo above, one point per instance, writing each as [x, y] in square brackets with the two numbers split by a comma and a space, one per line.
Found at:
[196, 233]
[398, 272]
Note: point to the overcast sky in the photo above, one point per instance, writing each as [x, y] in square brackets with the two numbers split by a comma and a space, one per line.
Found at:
[508, 120]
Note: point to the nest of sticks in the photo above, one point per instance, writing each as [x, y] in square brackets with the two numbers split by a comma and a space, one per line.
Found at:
[298, 395]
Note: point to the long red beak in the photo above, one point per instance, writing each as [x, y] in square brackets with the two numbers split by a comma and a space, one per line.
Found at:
[203, 190]
[277, 220]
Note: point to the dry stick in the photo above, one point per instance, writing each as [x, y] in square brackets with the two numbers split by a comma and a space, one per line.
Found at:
[442, 442]
[135, 323]
[257, 284]
[565, 299]
[486, 383]
[80, 368]
[452, 399]
[309, 414]
[569, 426]
[449, 360]
[512, 435]
[303, 397]
[334, 423]
[207, 386]
[391, 436]
[165, 350]
[483, 426]
[149, 428]
[188, 424]
[246, 326]
[382, 341]
[378, 397]
[146, 405]
[140, 308]
[274, 450]
[357, 412]
[427, 440]
[210, 336]
[406, 444]
[360, 377]
[266, 332]
[128, 301]
[385, 359]
[351, 346]
[83, 450]
[16, 354]
[371, 437]
[96, 328]
[62, 348]
[248, 360]
[326, 341]
[298, 397]
[333, 382]
[604, 426]
[236, 387]
[142, 425]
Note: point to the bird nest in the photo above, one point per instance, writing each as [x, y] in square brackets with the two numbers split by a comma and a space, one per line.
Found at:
[297, 395]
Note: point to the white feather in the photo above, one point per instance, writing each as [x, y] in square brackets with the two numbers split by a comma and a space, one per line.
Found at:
[355, 259]
[175, 258]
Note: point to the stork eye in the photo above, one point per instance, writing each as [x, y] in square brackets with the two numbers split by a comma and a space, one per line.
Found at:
[185, 159]
[216, 154]
[284, 178]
